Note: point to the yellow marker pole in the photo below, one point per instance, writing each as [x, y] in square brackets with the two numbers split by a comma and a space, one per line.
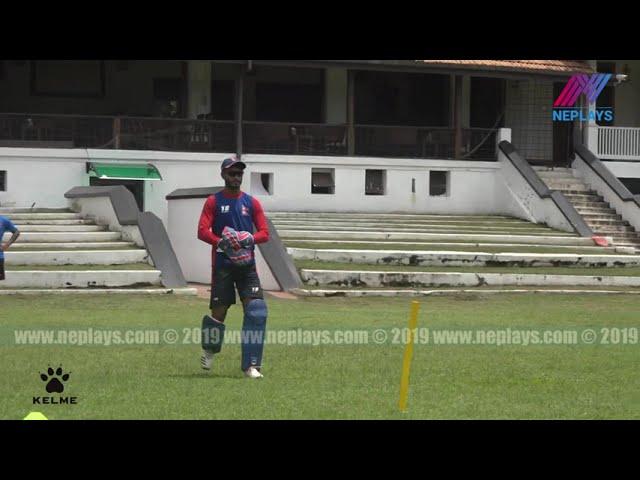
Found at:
[35, 416]
[408, 354]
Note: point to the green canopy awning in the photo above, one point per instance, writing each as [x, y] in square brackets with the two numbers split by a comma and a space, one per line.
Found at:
[123, 171]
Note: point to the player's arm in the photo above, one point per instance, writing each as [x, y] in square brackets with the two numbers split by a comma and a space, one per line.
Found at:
[16, 233]
[207, 217]
[260, 221]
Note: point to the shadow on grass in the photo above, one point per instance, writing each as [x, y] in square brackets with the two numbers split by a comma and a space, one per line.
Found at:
[207, 375]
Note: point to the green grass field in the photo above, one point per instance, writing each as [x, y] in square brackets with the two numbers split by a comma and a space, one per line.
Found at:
[326, 381]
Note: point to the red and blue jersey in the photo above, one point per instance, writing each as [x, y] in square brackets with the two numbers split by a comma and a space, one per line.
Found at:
[5, 226]
[239, 212]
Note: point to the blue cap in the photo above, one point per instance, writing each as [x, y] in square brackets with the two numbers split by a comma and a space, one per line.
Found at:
[232, 162]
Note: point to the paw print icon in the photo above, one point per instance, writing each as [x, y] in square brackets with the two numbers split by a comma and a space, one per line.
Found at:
[54, 380]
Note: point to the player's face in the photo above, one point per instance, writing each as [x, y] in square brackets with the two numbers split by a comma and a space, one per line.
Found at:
[233, 177]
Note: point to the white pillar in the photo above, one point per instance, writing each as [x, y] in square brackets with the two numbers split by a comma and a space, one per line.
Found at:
[503, 134]
[336, 95]
[592, 127]
[198, 88]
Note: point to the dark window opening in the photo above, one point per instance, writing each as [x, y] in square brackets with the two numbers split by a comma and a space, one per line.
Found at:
[438, 181]
[632, 184]
[136, 187]
[487, 102]
[68, 78]
[289, 103]
[407, 99]
[607, 97]
[261, 183]
[223, 94]
[167, 96]
[374, 182]
[322, 180]
[265, 178]
[3, 180]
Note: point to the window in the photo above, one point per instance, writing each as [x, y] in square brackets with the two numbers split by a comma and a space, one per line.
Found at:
[223, 94]
[289, 103]
[322, 180]
[68, 78]
[261, 183]
[3, 180]
[632, 184]
[374, 182]
[607, 97]
[167, 96]
[438, 183]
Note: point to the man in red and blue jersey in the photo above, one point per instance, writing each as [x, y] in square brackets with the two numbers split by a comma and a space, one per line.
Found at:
[226, 223]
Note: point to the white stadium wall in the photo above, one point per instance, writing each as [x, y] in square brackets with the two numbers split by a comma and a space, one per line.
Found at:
[472, 185]
[624, 169]
[41, 175]
[44, 175]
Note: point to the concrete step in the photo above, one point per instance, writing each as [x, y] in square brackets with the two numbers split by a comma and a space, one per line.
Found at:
[601, 216]
[365, 236]
[626, 242]
[450, 258]
[407, 292]
[65, 237]
[574, 190]
[53, 246]
[393, 221]
[458, 279]
[20, 217]
[391, 245]
[75, 257]
[62, 228]
[95, 291]
[381, 227]
[315, 215]
[583, 197]
[612, 230]
[567, 186]
[4, 211]
[579, 204]
[596, 211]
[624, 236]
[541, 168]
[79, 278]
[21, 223]
[561, 177]
[603, 223]
[633, 271]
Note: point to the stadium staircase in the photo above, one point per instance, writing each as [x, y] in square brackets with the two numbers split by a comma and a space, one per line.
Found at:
[597, 213]
[59, 250]
[359, 254]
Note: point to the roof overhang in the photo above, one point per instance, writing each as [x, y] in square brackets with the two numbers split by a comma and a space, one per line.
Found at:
[123, 171]
[516, 69]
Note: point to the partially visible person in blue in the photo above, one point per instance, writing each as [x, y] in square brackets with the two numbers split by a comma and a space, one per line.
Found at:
[6, 226]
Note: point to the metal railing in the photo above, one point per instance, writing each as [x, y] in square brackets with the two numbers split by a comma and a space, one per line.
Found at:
[280, 138]
[173, 134]
[424, 142]
[134, 133]
[294, 138]
[65, 131]
[619, 143]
